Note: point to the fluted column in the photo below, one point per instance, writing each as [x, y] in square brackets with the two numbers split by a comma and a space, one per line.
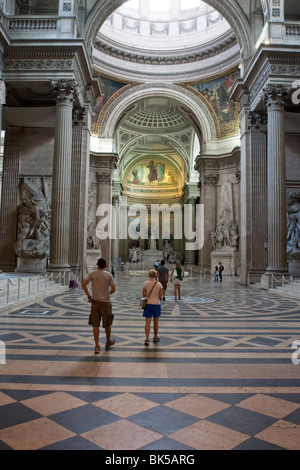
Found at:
[115, 241]
[277, 258]
[10, 197]
[79, 192]
[259, 197]
[190, 255]
[60, 214]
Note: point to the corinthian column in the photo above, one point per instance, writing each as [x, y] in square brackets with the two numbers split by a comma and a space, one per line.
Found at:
[275, 101]
[60, 216]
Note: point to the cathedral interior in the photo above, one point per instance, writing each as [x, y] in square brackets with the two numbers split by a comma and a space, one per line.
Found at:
[138, 131]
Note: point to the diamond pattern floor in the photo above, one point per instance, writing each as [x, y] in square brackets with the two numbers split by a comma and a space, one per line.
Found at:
[222, 376]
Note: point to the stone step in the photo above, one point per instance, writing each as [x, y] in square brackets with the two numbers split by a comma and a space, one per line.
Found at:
[16, 288]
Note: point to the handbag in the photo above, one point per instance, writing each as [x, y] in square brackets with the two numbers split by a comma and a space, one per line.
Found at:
[144, 300]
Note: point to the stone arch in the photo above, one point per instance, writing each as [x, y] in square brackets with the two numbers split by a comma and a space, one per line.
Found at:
[228, 8]
[199, 114]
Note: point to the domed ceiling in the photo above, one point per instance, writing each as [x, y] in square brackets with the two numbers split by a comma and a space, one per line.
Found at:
[178, 40]
[154, 142]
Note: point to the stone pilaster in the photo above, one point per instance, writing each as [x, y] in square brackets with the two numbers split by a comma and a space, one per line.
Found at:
[277, 239]
[10, 198]
[60, 216]
[115, 242]
[208, 171]
[104, 164]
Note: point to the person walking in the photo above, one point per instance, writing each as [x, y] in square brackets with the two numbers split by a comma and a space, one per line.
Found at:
[216, 274]
[163, 276]
[102, 287]
[153, 290]
[177, 276]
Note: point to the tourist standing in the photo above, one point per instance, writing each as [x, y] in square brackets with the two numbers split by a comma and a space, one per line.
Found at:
[163, 276]
[221, 269]
[102, 287]
[153, 290]
[177, 276]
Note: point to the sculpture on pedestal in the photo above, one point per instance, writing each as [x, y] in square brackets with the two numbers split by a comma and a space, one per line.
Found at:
[93, 242]
[225, 238]
[293, 226]
[33, 236]
[226, 235]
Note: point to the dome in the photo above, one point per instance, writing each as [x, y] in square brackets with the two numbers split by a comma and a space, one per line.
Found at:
[165, 39]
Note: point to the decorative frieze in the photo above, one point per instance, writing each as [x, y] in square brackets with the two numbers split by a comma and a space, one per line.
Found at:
[38, 64]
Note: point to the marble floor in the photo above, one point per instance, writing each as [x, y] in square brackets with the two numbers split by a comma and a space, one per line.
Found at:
[223, 376]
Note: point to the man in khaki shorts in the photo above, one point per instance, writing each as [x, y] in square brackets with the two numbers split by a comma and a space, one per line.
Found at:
[102, 287]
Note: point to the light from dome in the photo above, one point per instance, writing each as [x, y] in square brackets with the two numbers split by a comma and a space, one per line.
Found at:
[158, 6]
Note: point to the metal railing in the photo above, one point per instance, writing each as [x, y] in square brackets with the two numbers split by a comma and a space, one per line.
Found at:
[24, 288]
[282, 281]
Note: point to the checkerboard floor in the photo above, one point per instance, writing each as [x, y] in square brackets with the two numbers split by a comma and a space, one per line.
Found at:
[222, 376]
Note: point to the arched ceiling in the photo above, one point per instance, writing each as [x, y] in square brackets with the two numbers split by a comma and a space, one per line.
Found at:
[154, 130]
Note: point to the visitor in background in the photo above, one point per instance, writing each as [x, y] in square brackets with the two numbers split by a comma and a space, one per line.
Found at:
[221, 269]
[153, 290]
[177, 276]
[163, 276]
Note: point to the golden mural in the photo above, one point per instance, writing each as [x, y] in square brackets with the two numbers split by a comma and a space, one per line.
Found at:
[149, 174]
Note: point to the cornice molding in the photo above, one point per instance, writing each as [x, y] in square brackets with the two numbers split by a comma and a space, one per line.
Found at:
[158, 59]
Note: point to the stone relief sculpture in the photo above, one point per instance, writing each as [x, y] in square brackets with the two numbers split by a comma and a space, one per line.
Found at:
[135, 255]
[293, 226]
[34, 214]
[226, 236]
[93, 242]
[170, 254]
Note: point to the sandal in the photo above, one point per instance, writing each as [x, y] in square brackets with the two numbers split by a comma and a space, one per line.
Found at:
[110, 344]
[97, 349]
[156, 340]
[146, 342]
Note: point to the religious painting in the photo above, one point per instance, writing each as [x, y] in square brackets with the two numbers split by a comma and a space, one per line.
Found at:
[152, 173]
[216, 93]
[109, 88]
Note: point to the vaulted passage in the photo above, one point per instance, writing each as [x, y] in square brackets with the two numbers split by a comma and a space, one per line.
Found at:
[147, 131]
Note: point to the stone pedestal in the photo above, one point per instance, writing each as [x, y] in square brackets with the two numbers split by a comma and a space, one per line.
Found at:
[229, 259]
[149, 258]
[31, 265]
[92, 257]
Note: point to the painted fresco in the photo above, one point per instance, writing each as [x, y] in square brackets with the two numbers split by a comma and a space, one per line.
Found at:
[109, 88]
[151, 173]
[216, 93]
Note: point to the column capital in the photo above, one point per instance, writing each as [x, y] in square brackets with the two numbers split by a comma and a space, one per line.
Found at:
[257, 121]
[78, 116]
[275, 97]
[65, 91]
[103, 178]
